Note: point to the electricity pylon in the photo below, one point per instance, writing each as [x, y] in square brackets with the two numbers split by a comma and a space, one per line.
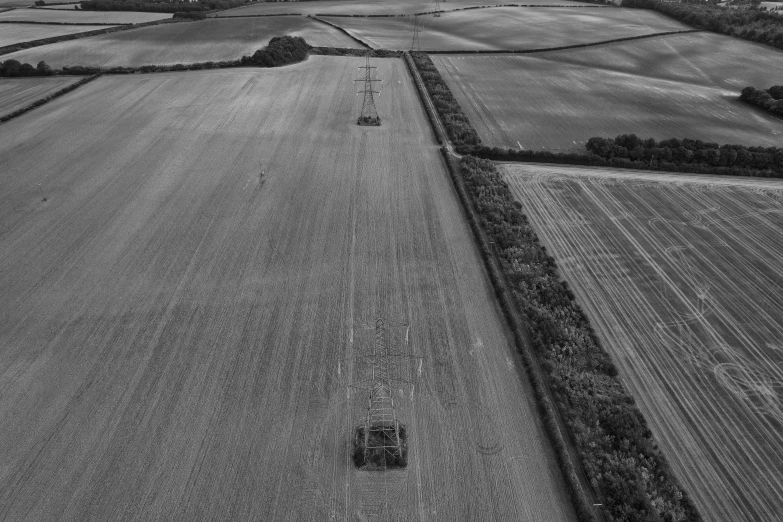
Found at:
[380, 442]
[369, 115]
[437, 8]
[415, 46]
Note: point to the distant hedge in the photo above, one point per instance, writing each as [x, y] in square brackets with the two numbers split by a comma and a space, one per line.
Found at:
[16, 69]
[160, 6]
[749, 23]
[191, 15]
[346, 51]
[458, 127]
[770, 99]
[625, 466]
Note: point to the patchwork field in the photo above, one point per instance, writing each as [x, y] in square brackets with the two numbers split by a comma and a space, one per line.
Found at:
[16, 93]
[683, 86]
[508, 28]
[183, 315]
[370, 7]
[17, 33]
[73, 16]
[185, 42]
[680, 276]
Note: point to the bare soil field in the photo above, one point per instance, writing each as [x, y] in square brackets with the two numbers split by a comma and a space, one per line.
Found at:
[16, 93]
[680, 276]
[183, 316]
[508, 28]
[72, 16]
[185, 42]
[18, 33]
[683, 86]
[370, 7]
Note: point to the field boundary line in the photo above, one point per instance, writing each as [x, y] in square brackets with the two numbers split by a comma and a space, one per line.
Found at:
[565, 47]
[566, 452]
[47, 99]
[8, 49]
[65, 23]
[356, 38]
[423, 13]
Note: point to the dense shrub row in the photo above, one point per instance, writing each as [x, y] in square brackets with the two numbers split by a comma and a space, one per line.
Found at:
[47, 99]
[770, 99]
[749, 23]
[191, 15]
[161, 6]
[458, 127]
[624, 464]
[16, 69]
[46, 41]
[344, 31]
[345, 51]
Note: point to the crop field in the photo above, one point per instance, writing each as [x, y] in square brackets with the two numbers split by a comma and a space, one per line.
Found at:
[680, 276]
[16, 93]
[73, 16]
[371, 7]
[185, 42]
[683, 86]
[185, 313]
[508, 28]
[17, 33]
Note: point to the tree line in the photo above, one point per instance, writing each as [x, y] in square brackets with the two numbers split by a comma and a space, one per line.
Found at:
[17, 69]
[752, 23]
[770, 99]
[162, 6]
[625, 466]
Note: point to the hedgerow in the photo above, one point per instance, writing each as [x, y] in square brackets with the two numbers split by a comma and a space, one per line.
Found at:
[624, 464]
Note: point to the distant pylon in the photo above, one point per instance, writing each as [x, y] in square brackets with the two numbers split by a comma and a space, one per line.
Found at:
[437, 8]
[415, 46]
[369, 115]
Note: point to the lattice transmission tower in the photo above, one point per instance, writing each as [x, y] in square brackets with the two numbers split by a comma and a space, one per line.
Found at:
[437, 8]
[369, 115]
[380, 442]
[415, 46]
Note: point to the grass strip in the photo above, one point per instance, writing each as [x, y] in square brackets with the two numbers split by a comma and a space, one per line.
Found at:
[47, 99]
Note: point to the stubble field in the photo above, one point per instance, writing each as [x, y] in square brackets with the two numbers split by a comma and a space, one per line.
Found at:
[15, 93]
[184, 42]
[183, 315]
[680, 277]
[73, 16]
[17, 33]
[683, 86]
[508, 28]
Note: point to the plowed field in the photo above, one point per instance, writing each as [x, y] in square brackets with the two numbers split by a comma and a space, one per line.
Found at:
[683, 86]
[17, 33]
[680, 276]
[15, 93]
[184, 42]
[72, 16]
[180, 331]
[508, 28]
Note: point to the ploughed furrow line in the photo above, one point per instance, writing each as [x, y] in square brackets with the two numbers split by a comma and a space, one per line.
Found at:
[679, 279]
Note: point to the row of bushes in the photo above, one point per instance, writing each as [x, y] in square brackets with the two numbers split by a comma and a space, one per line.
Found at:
[564, 47]
[61, 38]
[281, 50]
[47, 99]
[625, 466]
[17, 69]
[753, 24]
[770, 99]
[160, 6]
[346, 51]
[456, 122]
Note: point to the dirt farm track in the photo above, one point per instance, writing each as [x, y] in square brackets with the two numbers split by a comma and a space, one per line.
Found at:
[179, 331]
